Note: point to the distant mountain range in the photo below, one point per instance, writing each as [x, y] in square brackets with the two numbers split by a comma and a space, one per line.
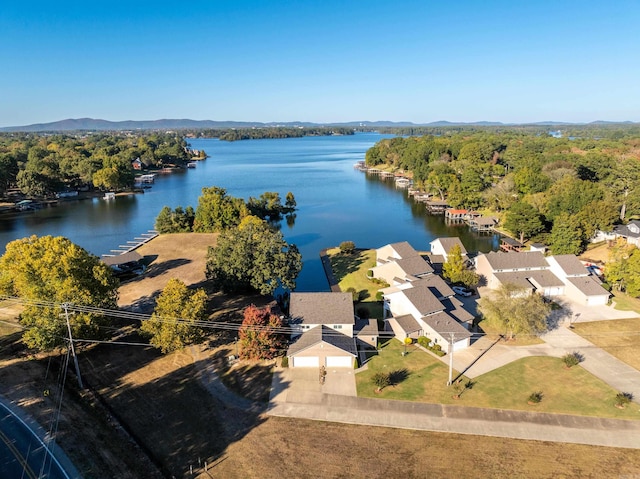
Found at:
[90, 124]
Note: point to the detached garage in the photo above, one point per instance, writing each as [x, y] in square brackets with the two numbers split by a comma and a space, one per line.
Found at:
[322, 346]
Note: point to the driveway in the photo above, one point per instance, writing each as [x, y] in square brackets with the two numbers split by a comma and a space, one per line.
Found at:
[303, 384]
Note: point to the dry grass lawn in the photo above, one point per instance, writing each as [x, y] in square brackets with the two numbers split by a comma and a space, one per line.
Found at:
[620, 338]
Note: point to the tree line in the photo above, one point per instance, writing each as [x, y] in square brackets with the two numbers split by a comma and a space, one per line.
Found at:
[235, 134]
[42, 165]
[558, 191]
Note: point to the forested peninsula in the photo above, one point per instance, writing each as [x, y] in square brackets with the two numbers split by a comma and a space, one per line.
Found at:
[556, 187]
[41, 165]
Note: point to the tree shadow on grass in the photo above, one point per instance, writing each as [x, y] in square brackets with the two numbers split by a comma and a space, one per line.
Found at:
[343, 264]
[398, 376]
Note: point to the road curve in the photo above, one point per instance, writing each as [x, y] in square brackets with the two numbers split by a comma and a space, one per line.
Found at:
[23, 453]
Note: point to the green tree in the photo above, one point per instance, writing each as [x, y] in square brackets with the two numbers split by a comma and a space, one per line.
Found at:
[46, 272]
[261, 335]
[217, 211]
[253, 257]
[455, 268]
[290, 203]
[523, 219]
[567, 236]
[174, 323]
[623, 269]
[513, 309]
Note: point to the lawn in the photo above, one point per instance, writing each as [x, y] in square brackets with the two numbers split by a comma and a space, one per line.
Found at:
[350, 271]
[620, 338]
[624, 302]
[419, 375]
[423, 378]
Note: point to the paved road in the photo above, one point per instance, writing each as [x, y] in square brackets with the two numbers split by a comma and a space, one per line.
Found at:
[23, 454]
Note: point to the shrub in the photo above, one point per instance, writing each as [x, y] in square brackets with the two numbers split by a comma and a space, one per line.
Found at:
[535, 397]
[381, 380]
[379, 296]
[439, 353]
[347, 247]
[424, 341]
[369, 273]
[285, 362]
[572, 359]
[622, 399]
[436, 347]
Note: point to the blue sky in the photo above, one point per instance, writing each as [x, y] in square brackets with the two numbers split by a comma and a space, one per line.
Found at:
[322, 61]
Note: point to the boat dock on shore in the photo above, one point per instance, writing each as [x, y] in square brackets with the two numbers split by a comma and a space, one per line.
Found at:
[132, 245]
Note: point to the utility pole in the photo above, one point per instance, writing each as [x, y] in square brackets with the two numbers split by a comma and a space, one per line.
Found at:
[450, 359]
[73, 349]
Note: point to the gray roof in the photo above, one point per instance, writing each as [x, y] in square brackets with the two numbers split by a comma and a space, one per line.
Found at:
[450, 242]
[423, 299]
[414, 265]
[515, 260]
[322, 334]
[455, 308]
[544, 278]
[404, 249]
[129, 257]
[321, 308]
[571, 265]
[588, 286]
[511, 241]
[443, 324]
[435, 284]
[623, 230]
[484, 221]
[408, 323]
[366, 327]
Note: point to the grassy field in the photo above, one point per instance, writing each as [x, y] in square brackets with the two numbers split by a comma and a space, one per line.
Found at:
[350, 271]
[620, 338]
[421, 377]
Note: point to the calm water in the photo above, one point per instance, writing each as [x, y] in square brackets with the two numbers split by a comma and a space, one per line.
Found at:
[335, 202]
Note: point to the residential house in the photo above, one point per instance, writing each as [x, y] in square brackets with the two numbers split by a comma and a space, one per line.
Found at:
[560, 275]
[323, 330]
[527, 269]
[419, 302]
[630, 232]
[417, 311]
[580, 285]
[398, 263]
[137, 164]
[442, 247]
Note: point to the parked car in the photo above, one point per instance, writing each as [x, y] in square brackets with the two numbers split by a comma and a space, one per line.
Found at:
[462, 291]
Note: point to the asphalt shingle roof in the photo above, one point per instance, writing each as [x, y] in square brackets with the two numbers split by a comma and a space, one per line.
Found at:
[588, 286]
[322, 334]
[443, 324]
[450, 242]
[515, 260]
[321, 308]
[570, 264]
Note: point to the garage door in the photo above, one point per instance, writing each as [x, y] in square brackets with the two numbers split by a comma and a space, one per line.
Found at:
[339, 361]
[305, 362]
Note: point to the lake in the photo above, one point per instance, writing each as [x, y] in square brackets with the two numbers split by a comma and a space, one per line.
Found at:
[335, 202]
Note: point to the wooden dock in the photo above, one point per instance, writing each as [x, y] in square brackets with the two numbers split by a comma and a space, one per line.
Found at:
[132, 245]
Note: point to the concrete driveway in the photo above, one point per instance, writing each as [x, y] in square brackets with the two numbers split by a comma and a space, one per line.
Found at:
[302, 385]
[579, 313]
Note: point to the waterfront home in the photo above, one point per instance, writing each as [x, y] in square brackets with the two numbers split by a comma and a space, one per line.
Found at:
[322, 327]
[442, 247]
[419, 302]
[580, 285]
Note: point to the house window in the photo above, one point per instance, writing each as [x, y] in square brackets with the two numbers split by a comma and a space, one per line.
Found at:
[337, 326]
[305, 326]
